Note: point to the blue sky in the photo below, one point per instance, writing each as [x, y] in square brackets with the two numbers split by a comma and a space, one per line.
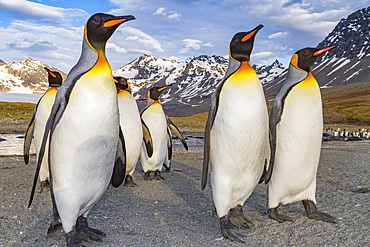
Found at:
[51, 30]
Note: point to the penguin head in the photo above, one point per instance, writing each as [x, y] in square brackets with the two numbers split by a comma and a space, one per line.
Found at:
[100, 27]
[121, 83]
[54, 78]
[241, 45]
[304, 58]
[154, 92]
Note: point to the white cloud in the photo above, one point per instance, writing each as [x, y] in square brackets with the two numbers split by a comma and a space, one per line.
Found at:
[193, 44]
[297, 15]
[160, 11]
[125, 5]
[174, 16]
[23, 9]
[172, 58]
[170, 15]
[142, 38]
[116, 48]
[278, 35]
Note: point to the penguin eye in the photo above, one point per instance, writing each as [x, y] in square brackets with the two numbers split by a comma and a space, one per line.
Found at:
[97, 21]
[237, 40]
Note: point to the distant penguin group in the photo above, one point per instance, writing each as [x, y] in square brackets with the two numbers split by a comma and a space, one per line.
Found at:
[90, 133]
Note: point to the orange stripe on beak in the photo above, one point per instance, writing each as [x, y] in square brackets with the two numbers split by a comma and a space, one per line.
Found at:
[161, 89]
[248, 36]
[113, 22]
[323, 50]
[115, 80]
[51, 73]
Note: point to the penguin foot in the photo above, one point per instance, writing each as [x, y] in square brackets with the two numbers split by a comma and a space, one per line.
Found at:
[166, 169]
[227, 230]
[238, 219]
[275, 215]
[129, 181]
[54, 228]
[73, 239]
[315, 214]
[87, 233]
[157, 175]
[147, 176]
[44, 186]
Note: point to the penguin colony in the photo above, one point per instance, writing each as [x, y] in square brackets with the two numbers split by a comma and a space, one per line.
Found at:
[89, 134]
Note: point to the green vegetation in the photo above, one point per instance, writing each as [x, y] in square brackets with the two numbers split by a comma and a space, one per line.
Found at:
[17, 110]
[346, 106]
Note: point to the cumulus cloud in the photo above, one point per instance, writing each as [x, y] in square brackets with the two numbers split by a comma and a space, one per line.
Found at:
[159, 11]
[23, 9]
[125, 5]
[116, 48]
[142, 38]
[170, 15]
[278, 35]
[193, 44]
[172, 58]
[42, 46]
[261, 57]
[300, 15]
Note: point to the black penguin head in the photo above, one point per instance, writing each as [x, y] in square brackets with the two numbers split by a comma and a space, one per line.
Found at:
[154, 92]
[121, 83]
[304, 58]
[100, 27]
[241, 44]
[54, 78]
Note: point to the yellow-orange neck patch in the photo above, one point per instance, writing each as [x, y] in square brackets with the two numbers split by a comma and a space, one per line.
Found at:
[308, 81]
[243, 72]
[101, 65]
[156, 102]
[123, 92]
[52, 90]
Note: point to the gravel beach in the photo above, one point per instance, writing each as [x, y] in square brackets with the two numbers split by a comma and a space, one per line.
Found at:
[175, 212]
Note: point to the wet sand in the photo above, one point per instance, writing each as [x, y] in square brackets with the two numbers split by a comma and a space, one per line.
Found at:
[175, 212]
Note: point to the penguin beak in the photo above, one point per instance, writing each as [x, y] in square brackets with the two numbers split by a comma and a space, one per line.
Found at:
[323, 50]
[50, 73]
[252, 33]
[118, 20]
[128, 85]
[145, 100]
[163, 88]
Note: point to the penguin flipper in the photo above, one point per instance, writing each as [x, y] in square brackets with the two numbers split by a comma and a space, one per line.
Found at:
[207, 143]
[177, 132]
[29, 134]
[147, 139]
[169, 143]
[119, 169]
[59, 106]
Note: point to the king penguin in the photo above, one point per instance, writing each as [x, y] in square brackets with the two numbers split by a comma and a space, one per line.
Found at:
[295, 154]
[133, 127]
[86, 143]
[157, 122]
[172, 128]
[37, 124]
[236, 137]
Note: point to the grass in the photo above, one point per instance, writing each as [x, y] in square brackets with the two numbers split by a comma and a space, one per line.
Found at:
[346, 106]
[17, 110]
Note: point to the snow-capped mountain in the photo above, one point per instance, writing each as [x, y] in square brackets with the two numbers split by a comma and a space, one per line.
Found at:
[193, 80]
[348, 62]
[27, 76]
